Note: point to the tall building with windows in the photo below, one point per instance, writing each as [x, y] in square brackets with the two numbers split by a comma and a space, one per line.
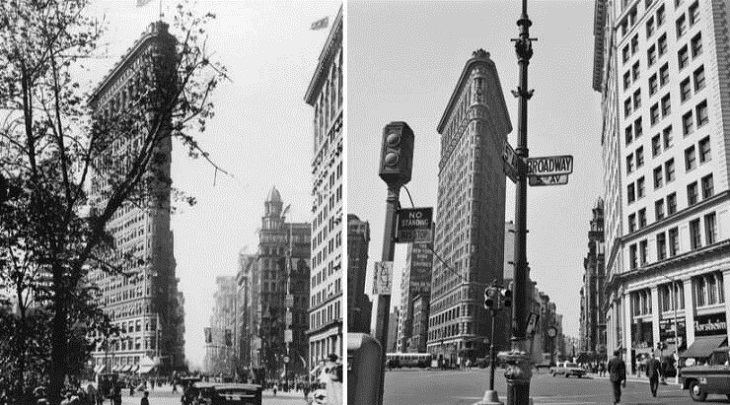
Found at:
[662, 69]
[325, 94]
[220, 350]
[147, 305]
[416, 281]
[359, 307]
[593, 320]
[469, 233]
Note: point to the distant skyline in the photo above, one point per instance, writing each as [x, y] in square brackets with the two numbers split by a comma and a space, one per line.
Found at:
[261, 134]
[404, 60]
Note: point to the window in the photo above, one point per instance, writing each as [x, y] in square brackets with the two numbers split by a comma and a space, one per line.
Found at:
[654, 114]
[640, 188]
[651, 56]
[637, 99]
[634, 44]
[643, 248]
[632, 222]
[708, 188]
[666, 106]
[653, 84]
[710, 228]
[664, 74]
[661, 246]
[687, 123]
[642, 218]
[683, 57]
[696, 45]
[659, 209]
[692, 195]
[702, 114]
[639, 157]
[627, 107]
[704, 147]
[699, 76]
[690, 158]
[635, 71]
[626, 53]
[632, 257]
[631, 195]
[627, 80]
[629, 135]
[660, 15]
[638, 130]
[673, 242]
[649, 27]
[695, 238]
[685, 89]
[671, 203]
[700, 285]
[656, 146]
[669, 169]
[658, 177]
[694, 13]
[681, 25]
[662, 43]
[629, 163]
[668, 138]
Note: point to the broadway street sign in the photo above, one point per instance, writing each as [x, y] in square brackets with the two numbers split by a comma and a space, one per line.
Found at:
[549, 165]
[414, 225]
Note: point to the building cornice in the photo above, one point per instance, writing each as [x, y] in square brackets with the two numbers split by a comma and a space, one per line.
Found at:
[333, 43]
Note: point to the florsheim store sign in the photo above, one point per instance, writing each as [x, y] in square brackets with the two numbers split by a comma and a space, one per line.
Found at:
[710, 325]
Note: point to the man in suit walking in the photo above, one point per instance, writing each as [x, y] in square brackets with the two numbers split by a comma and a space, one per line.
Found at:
[653, 371]
[617, 373]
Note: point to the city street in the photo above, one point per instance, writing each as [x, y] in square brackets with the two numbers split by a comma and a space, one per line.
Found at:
[455, 387]
[165, 396]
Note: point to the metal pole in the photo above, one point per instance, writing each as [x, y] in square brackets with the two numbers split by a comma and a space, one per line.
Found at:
[519, 373]
[676, 331]
[492, 357]
[383, 312]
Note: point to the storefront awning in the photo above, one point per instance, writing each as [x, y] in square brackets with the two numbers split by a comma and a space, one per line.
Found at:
[115, 368]
[99, 368]
[703, 346]
[134, 368]
[126, 368]
[144, 369]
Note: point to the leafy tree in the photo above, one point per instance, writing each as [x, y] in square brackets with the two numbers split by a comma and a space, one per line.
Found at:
[74, 160]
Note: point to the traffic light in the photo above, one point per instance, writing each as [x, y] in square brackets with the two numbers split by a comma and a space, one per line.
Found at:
[491, 298]
[507, 296]
[396, 155]
[208, 335]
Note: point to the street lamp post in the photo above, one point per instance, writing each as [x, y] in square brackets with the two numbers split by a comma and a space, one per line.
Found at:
[675, 302]
[518, 373]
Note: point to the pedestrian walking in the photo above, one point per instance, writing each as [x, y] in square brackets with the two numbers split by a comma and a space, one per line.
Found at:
[653, 371]
[617, 375]
[145, 399]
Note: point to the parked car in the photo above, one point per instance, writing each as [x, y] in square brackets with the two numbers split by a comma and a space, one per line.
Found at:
[206, 393]
[709, 378]
[544, 365]
[567, 369]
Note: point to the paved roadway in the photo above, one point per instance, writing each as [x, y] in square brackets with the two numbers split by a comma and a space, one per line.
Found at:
[454, 387]
[164, 396]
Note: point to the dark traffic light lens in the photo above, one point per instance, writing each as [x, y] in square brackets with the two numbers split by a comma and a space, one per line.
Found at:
[393, 139]
[391, 159]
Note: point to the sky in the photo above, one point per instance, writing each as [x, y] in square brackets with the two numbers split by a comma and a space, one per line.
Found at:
[261, 134]
[404, 60]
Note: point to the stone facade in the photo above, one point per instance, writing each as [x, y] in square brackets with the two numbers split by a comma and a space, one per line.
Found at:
[593, 297]
[416, 281]
[359, 307]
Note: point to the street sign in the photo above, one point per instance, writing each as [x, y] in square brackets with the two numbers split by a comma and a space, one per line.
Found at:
[414, 225]
[288, 336]
[383, 278]
[549, 165]
[289, 318]
[531, 323]
[510, 158]
[289, 301]
[552, 180]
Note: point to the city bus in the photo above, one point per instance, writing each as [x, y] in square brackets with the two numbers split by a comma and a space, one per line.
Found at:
[396, 360]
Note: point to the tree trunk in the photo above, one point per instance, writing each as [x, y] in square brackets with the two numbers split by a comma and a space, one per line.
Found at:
[59, 336]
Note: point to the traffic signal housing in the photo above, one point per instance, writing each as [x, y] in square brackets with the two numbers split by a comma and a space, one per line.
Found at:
[491, 298]
[507, 297]
[396, 155]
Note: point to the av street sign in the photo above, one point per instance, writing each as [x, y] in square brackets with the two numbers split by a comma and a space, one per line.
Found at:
[414, 225]
[549, 165]
[510, 158]
[553, 180]
[383, 278]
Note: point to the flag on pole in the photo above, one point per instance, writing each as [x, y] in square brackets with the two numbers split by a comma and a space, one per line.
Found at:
[317, 25]
[141, 3]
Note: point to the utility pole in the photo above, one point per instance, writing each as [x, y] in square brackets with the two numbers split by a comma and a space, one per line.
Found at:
[519, 373]
[395, 169]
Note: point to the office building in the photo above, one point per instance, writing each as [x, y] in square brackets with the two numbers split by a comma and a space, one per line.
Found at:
[359, 306]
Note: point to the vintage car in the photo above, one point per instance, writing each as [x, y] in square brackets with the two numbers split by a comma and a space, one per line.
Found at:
[207, 393]
[567, 369]
[710, 378]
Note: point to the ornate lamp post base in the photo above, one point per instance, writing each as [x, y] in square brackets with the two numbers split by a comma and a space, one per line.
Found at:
[518, 374]
[490, 398]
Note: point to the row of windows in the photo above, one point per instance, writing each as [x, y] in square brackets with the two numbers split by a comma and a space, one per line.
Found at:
[667, 243]
[707, 289]
[325, 315]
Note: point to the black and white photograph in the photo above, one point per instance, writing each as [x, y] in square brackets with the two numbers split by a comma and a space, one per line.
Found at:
[537, 201]
[171, 202]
